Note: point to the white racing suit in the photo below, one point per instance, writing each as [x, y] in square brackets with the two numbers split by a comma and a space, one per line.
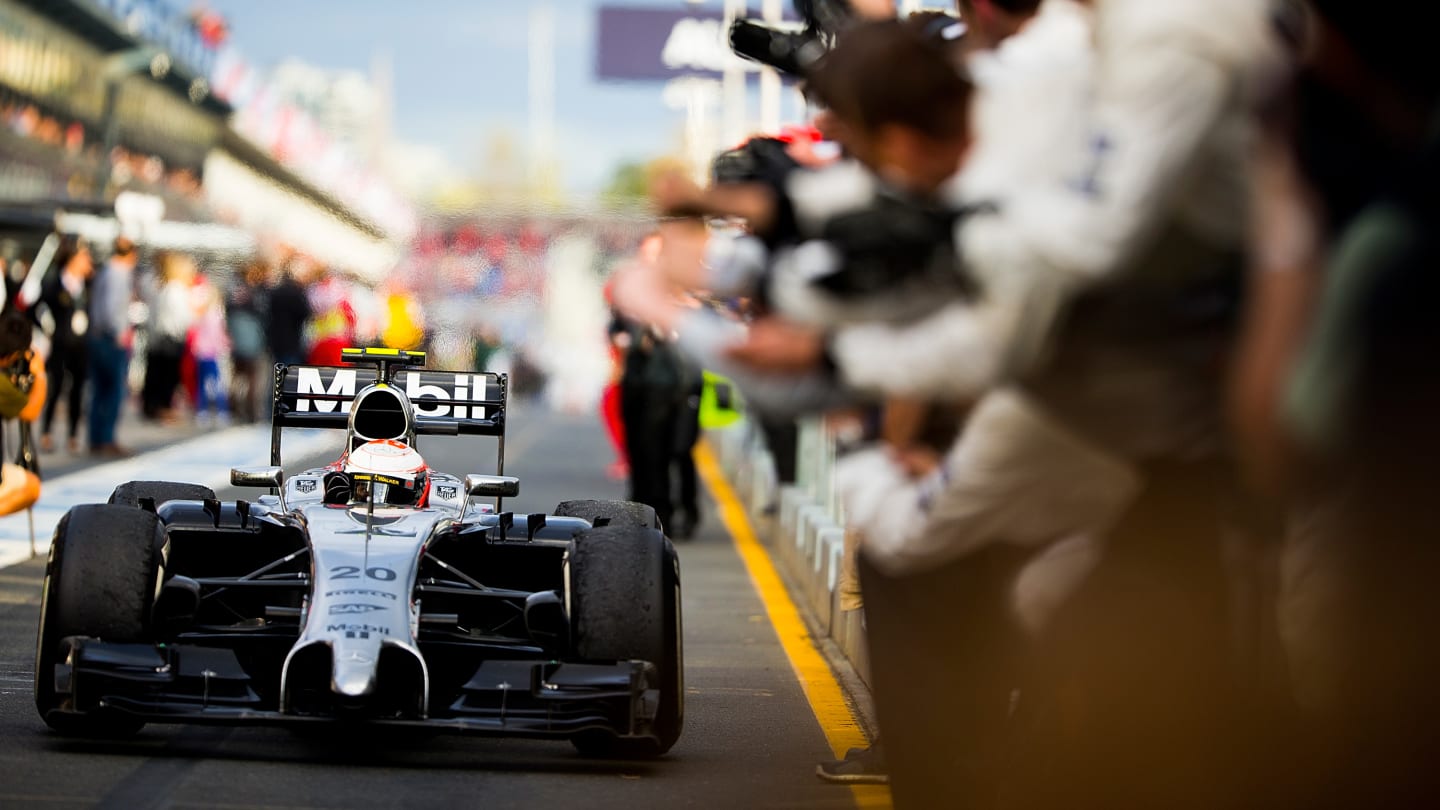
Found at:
[1089, 161]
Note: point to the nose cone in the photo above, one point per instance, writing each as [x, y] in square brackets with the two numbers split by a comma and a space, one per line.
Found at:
[354, 666]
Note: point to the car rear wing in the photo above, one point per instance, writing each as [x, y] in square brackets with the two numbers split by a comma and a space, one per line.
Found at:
[445, 403]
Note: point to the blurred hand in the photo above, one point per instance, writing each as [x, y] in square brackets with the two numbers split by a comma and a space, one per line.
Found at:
[643, 295]
[778, 346]
[681, 260]
[874, 9]
[917, 461]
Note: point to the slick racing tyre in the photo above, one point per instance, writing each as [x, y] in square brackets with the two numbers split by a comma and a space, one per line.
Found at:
[624, 600]
[612, 513]
[130, 494]
[100, 582]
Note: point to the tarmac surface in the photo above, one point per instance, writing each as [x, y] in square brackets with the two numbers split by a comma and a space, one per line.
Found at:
[751, 739]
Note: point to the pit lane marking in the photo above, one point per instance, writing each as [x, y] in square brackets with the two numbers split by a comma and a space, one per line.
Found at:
[822, 691]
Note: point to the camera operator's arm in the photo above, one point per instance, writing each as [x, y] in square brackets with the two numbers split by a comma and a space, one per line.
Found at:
[958, 352]
[1158, 113]
[677, 195]
[800, 384]
[711, 342]
[735, 265]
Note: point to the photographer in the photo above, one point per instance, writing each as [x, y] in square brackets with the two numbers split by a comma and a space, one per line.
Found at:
[803, 222]
[1123, 268]
[909, 143]
[1161, 139]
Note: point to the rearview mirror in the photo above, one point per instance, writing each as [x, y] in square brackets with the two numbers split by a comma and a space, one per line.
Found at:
[272, 477]
[491, 486]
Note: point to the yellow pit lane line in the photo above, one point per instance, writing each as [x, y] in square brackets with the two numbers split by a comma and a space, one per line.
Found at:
[827, 700]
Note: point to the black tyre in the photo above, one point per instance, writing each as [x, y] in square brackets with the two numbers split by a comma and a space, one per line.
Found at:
[100, 582]
[612, 513]
[624, 600]
[130, 494]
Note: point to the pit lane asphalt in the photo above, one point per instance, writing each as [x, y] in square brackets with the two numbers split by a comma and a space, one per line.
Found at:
[750, 738]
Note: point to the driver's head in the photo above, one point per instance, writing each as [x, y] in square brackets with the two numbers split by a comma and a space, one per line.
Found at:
[394, 472]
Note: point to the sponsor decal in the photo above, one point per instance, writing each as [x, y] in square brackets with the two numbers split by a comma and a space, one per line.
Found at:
[354, 608]
[429, 393]
[358, 630]
[447, 493]
[380, 478]
[305, 486]
[362, 592]
[466, 386]
[308, 381]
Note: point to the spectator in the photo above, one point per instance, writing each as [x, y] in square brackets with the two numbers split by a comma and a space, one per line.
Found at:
[64, 298]
[110, 340]
[333, 326]
[172, 312]
[1135, 395]
[1335, 393]
[288, 314]
[245, 312]
[404, 319]
[654, 384]
[211, 345]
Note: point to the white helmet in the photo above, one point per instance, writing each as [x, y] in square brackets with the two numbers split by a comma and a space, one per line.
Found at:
[395, 472]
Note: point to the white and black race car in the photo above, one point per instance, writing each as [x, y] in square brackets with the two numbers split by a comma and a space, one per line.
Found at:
[372, 591]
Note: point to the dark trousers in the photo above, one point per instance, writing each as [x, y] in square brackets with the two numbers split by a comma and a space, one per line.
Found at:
[245, 388]
[162, 376]
[650, 417]
[944, 659]
[1129, 698]
[782, 436]
[687, 433]
[109, 364]
[67, 368]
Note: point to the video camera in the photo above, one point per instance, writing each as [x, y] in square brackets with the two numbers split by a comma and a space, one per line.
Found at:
[793, 53]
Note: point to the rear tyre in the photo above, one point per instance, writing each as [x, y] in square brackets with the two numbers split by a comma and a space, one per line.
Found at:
[130, 494]
[623, 585]
[100, 582]
[611, 513]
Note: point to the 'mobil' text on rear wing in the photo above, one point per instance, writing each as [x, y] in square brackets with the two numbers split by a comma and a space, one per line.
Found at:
[445, 402]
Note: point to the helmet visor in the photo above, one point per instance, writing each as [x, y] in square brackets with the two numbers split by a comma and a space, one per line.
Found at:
[387, 489]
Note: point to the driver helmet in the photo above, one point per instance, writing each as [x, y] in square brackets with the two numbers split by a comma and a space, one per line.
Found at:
[394, 471]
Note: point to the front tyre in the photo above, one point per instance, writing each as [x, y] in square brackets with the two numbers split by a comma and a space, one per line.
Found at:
[623, 587]
[610, 513]
[100, 582]
[132, 492]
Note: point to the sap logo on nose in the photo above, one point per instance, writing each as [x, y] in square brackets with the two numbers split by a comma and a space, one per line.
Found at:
[353, 608]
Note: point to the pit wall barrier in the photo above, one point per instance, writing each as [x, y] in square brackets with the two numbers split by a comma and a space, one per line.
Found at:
[802, 524]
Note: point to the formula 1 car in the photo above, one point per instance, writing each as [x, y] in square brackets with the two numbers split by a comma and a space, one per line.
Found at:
[373, 591]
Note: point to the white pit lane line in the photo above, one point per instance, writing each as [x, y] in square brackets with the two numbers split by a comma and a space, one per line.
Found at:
[204, 460]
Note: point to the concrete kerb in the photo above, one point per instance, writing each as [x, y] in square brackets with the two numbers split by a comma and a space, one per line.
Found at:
[806, 521]
[816, 586]
[828, 544]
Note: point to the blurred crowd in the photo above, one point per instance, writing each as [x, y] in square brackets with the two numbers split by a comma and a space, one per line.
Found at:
[193, 338]
[189, 338]
[128, 168]
[1133, 301]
